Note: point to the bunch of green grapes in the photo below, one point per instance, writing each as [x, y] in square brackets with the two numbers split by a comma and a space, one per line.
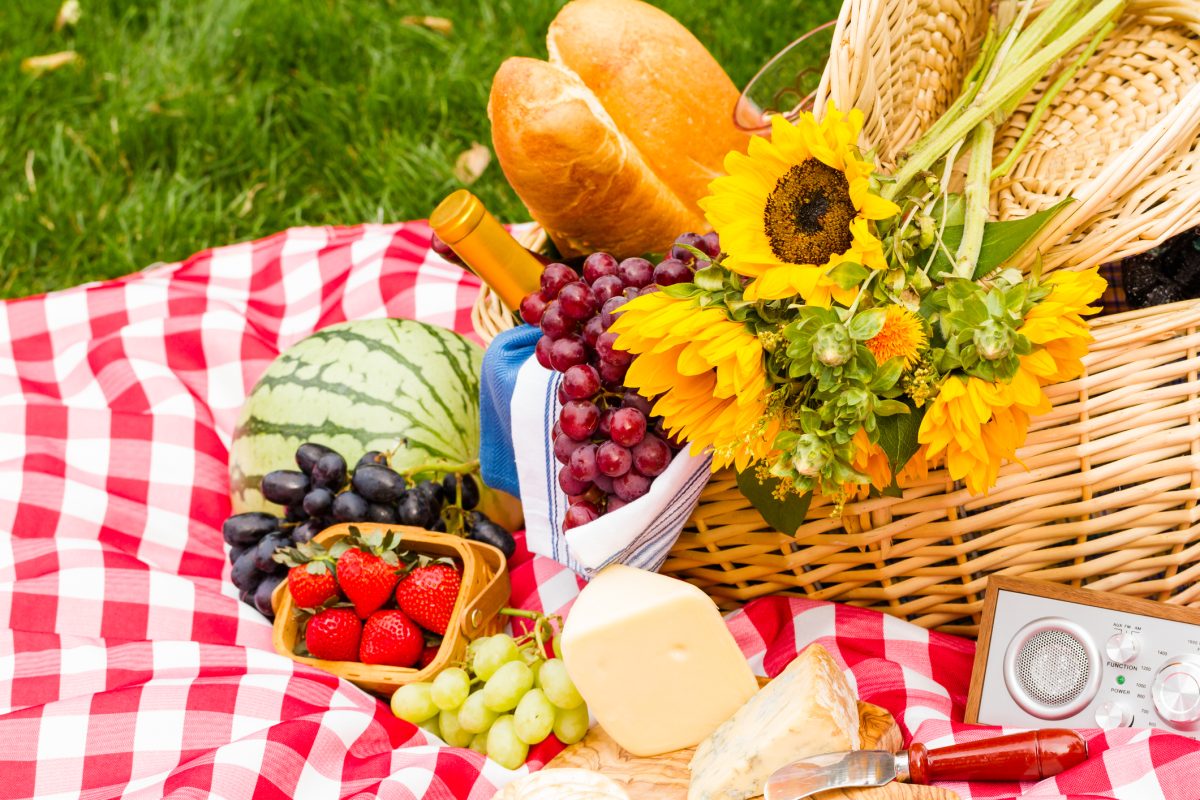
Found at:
[504, 698]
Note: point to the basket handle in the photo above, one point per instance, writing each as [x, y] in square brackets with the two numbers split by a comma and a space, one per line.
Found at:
[495, 593]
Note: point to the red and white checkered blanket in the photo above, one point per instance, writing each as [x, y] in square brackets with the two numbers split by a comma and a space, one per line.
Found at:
[127, 666]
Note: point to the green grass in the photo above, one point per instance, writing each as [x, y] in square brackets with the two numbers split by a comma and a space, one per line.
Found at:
[194, 123]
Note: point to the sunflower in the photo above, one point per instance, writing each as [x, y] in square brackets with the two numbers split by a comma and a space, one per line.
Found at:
[975, 424]
[902, 336]
[1057, 324]
[798, 205]
[870, 460]
[706, 372]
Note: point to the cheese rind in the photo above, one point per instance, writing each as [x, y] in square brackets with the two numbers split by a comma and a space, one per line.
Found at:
[653, 659]
[809, 709]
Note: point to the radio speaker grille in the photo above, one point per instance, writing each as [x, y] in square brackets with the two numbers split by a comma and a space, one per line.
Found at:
[1053, 667]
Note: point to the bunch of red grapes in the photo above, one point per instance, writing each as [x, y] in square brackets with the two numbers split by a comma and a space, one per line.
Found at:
[609, 445]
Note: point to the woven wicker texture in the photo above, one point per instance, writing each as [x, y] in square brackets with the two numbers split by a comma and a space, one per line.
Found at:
[1121, 136]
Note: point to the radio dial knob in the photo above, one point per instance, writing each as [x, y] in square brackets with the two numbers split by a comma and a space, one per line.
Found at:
[1123, 647]
[1176, 692]
[1113, 715]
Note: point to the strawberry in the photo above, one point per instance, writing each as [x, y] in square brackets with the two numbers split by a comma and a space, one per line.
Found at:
[390, 637]
[311, 584]
[366, 579]
[428, 655]
[427, 594]
[334, 635]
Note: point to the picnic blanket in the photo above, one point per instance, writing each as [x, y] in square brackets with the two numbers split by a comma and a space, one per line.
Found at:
[129, 669]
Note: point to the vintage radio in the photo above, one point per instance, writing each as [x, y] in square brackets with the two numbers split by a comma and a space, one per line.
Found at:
[1084, 659]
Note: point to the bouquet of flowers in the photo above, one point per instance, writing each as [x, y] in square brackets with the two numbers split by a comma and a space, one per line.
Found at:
[857, 325]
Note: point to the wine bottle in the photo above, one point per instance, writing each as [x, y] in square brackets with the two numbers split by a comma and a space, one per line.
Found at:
[462, 222]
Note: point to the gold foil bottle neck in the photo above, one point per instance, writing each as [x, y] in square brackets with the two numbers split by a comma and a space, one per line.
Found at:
[462, 222]
[457, 216]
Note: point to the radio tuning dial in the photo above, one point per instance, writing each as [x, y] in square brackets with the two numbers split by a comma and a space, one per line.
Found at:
[1176, 692]
[1122, 647]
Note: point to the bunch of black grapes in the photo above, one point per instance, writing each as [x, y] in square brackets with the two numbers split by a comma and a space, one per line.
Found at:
[324, 492]
[1164, 274]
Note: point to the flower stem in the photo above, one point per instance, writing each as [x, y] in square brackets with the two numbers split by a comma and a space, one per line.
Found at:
[1003, 91]
[1043, 104]
[976, 195]
[861, 291]
[971, 86]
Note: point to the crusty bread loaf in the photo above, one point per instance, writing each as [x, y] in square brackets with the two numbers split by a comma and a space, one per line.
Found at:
[562, 784]
[578, 174]
[658, 83]
[612, 145]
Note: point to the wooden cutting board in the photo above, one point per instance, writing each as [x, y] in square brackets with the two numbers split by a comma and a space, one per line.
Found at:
[665, 777]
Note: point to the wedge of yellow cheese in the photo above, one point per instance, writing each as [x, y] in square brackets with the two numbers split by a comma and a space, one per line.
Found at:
[809, 709]
[653, 659]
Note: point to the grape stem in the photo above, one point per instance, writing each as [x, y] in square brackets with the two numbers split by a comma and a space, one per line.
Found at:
[543, 627]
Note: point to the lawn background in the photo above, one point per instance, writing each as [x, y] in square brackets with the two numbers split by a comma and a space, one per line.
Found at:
[194, 123]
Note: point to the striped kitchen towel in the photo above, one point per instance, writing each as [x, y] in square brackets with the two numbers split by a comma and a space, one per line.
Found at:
[639, 534]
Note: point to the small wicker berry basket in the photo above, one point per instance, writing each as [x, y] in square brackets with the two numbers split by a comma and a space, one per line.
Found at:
[485, 590]
[1106, 491]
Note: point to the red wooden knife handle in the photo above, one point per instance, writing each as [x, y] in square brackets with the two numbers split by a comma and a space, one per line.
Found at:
[1028, 756]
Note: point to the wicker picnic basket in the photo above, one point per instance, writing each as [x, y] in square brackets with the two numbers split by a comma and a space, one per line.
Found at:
[1106, 490]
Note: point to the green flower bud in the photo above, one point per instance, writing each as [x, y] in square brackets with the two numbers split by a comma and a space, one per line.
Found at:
[993, 340]
[832, 345]
[810, 455]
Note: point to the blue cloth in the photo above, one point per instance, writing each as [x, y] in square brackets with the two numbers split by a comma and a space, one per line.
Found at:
[501, 362]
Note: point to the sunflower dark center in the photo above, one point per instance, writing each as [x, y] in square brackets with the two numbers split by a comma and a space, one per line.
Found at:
[808, 214]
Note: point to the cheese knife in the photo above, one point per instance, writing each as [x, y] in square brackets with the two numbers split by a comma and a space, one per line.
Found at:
[1028, 756]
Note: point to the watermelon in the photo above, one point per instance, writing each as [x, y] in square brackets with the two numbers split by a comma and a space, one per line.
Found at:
[381, 384]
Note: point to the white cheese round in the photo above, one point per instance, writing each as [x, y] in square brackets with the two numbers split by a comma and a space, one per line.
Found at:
[562, 784]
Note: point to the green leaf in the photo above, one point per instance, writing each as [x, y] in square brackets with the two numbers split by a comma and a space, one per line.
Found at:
[887, 375]
[786, 440]
[681, 291]
[699, 254]
[867, 323]
[711, 279]
[953, 206]
[783, 515]
[1001, 240]
[887, 408]
[847, 275]
[898, 436]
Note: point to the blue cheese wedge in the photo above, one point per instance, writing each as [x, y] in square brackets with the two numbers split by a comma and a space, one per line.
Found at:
[809, 709]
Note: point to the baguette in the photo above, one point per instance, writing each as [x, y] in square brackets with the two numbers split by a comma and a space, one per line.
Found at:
[574, 169]
[661, 86]
[612, 143]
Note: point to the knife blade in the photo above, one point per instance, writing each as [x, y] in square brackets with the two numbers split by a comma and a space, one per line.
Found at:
[1031, 755]
[834, 771]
